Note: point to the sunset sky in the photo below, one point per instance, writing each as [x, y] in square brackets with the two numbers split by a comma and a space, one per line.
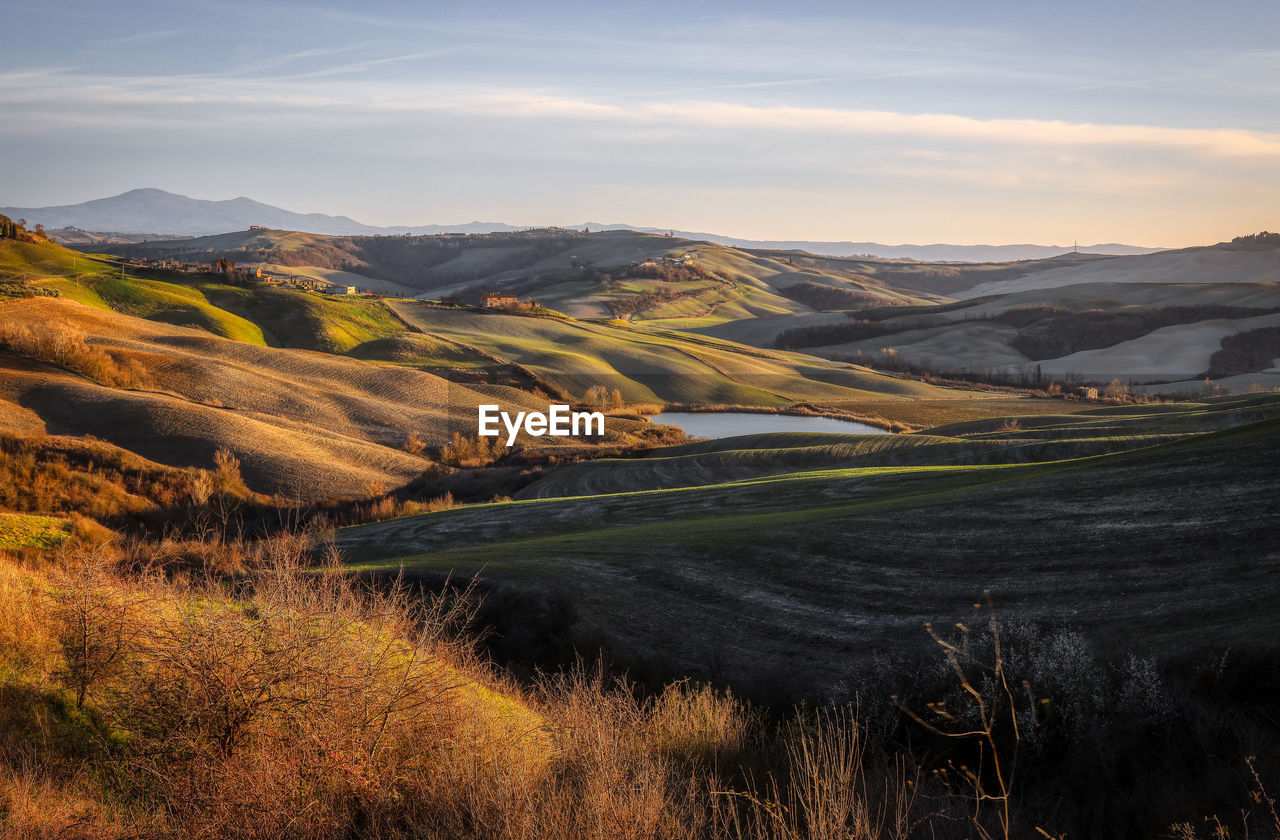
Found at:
[992, 122]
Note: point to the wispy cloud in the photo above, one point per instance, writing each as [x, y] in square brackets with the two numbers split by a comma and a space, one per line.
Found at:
[47, 93]
[140, 37]
[1218, 141]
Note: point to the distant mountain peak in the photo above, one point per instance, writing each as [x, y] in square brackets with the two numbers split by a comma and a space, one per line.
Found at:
[156, 211]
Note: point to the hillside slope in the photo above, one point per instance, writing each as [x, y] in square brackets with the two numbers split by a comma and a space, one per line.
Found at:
[586, 275]
[1159, 543]
[308, 424]
[1172, 318]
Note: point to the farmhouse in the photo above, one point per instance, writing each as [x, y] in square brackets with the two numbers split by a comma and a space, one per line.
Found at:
[496, 301]
[340, 290]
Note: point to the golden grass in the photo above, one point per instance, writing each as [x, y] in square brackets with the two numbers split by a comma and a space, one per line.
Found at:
[66, 347]
[297, 704]
[302, 423]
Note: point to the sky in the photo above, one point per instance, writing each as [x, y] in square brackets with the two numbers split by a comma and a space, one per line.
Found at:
[946, 121]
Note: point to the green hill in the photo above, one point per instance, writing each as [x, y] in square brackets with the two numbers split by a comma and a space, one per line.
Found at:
[680, 282]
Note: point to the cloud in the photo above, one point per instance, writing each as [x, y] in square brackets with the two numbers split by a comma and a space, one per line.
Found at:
[56, 95]
[1229, 142]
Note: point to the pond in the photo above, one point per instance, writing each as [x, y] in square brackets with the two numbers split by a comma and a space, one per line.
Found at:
[719, 424]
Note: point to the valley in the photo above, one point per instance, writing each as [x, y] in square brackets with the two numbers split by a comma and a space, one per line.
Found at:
[1085, 445]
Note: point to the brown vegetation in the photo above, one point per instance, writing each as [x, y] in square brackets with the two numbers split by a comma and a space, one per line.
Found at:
[91, 478]
[296, 704]
[671, 273]
[631, 304]
[270, 700]
[66, 347]
[471, 450]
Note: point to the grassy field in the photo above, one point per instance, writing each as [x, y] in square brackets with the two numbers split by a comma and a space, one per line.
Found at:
[1139, 324]
[563, 269]
[19, 530]
[307, 320]
[302, 423]
[656, 365]
[169, 303]
[646, 364]
[235, 688]
[1156, 524]
[764, 298]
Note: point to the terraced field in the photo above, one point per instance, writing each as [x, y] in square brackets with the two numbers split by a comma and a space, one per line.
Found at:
[1158, 524]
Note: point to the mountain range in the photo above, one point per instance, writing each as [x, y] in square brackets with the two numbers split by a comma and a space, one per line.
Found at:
[155, 211]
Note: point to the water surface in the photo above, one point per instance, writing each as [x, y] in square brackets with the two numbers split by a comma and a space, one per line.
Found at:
[719, 424]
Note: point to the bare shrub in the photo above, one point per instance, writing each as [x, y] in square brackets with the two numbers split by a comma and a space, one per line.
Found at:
[1260, 804]
[986, 715]
[66, 347]
[1116, 390]
[300, 696]
[444, 502]
[608, 784]
[697, 725]
[828, 792]
[226, 476]
[414, 444]
[97, 623]
[476, 451]
[597, 396]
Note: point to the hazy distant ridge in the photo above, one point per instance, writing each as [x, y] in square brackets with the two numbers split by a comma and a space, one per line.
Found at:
[160, 212]
[931, 253]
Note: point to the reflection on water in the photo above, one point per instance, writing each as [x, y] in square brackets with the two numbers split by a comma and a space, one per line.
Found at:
[718, 424]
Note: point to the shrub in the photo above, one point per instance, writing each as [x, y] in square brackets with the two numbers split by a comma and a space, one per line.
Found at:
[822, 297]
[471, 451]
[65, 347]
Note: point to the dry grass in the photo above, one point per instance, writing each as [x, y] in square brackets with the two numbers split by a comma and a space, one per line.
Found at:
[35, 805]
[84, 479]
[829, 791]
[66, 347]
[283, 702]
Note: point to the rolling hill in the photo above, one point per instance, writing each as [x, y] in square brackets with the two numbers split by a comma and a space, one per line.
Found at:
[1172, 318]
[157, 212]
[1118, 522]
[598, 275]
[1164, 321]
[303, 424]
[316, 395]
